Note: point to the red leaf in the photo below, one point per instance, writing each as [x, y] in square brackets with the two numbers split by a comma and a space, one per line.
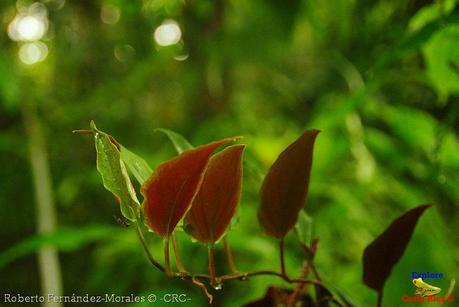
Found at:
[217, 199]
[168, 193]
[285, 187]
[385, 251]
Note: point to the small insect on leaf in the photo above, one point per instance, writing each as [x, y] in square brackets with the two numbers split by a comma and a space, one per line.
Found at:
[121, 221]
[217, 199]
[285, 187]
[380, 256]
[168, 193]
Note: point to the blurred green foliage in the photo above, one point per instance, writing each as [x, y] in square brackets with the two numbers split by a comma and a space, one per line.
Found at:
[379, 78]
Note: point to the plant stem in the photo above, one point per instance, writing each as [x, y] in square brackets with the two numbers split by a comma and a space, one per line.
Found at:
[203, 287]
[379, 302]
[145, 248]
[282, 258]
[229, 256]
[244, 276]
[300, 286]
[167, 257]
[178, 263]
[210, 253]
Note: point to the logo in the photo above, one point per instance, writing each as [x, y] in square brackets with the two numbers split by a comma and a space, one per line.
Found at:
[424, 289]
[426, 275]
[426, 292]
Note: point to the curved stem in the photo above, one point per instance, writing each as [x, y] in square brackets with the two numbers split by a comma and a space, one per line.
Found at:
[229, 256]
[167, 262]
[178, 263]
[203, 287]
[146, 250]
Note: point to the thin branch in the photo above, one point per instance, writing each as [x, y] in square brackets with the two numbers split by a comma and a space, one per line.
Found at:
[229, 256]
[203, 287]
[146, 250]
[300, 286]
[245, 276]
[178, 263]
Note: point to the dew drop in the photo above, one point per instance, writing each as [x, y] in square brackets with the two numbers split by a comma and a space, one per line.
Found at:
[218, 286]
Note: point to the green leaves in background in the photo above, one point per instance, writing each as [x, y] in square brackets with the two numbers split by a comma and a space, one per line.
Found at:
[303, 228]
[65, 239]
[114, 173]
[381, 255]
[442, 59]
[285, 187]
[180, 143]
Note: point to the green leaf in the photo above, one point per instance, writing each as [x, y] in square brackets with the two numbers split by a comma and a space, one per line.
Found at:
[303, 228]
[64, 239]
[417, 39]
[114, 174]
[180, 143]
[136, 165]
[441, 55]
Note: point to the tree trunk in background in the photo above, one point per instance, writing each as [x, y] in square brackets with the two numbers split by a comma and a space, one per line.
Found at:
[48, 258]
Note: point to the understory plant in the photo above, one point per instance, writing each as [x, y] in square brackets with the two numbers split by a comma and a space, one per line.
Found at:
[198, 191]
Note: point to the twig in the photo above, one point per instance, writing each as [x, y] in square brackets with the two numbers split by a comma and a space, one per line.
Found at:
[246, 275]
[300, 286]
[203, 287]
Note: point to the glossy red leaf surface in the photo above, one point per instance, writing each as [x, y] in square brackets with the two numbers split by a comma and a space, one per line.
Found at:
[168, 193]
[217, 199]
[385, 251]
[285, 187]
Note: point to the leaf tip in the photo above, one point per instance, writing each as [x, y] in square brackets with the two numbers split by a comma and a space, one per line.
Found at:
[92, 124]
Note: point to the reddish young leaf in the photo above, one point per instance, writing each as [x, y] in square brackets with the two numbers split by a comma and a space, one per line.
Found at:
[217, 199]
[168, 193]
[285, 187]
[385, 251]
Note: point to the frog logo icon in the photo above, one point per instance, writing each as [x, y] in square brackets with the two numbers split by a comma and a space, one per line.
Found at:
[424, 289]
